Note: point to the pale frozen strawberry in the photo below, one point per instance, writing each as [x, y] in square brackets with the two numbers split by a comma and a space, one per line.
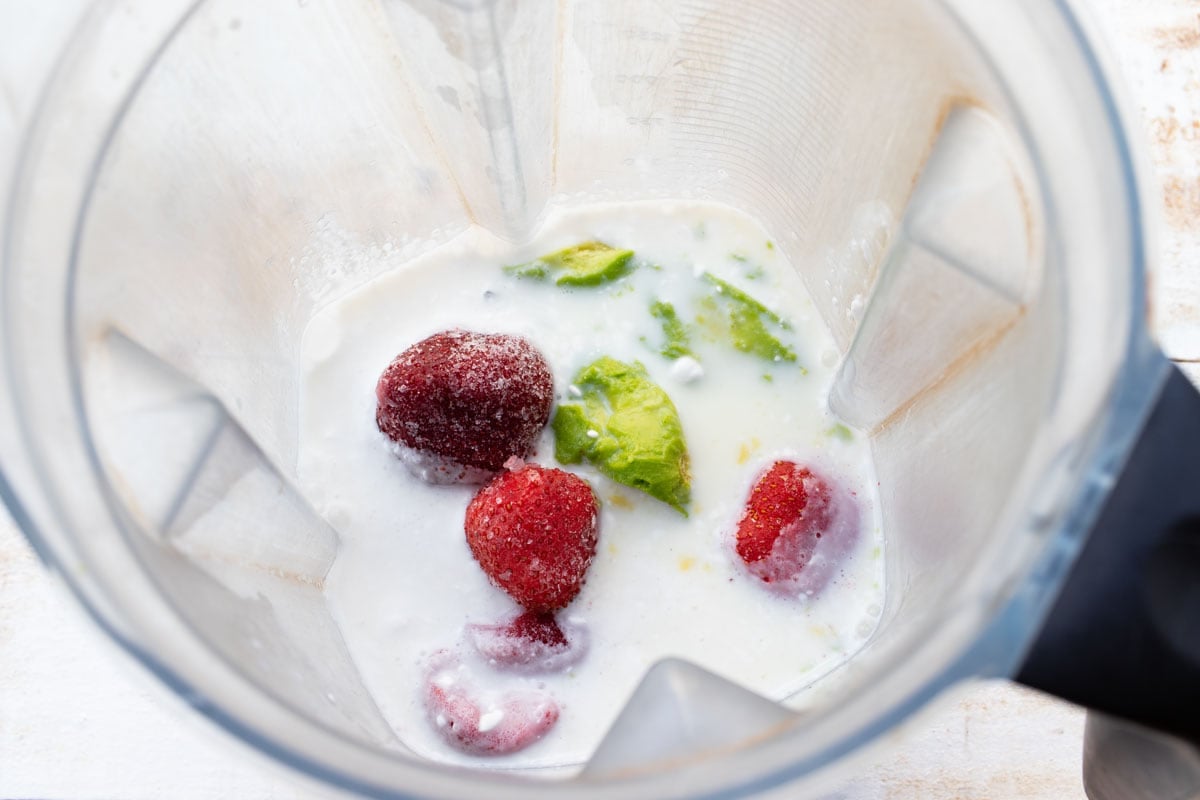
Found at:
[530, 643]
[797, 529]
[483, 723]
[459, 404]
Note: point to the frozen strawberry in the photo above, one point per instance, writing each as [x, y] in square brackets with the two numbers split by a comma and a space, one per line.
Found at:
[530, 644]
[479, 722]
[796, 529]
[533, 531]
[459, 404]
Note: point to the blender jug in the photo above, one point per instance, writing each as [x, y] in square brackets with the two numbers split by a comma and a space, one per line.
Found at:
[950, 177]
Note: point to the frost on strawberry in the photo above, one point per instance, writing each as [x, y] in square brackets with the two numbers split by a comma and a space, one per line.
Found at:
[796, 530]
[483, 723]
[458, 404]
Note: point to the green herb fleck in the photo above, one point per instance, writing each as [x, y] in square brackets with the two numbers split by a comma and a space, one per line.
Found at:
[841, 432]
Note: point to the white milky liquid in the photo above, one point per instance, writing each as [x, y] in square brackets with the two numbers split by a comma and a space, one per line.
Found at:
[404, 583]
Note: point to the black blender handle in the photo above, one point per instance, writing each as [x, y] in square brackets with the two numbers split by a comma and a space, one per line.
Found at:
[1123, 636]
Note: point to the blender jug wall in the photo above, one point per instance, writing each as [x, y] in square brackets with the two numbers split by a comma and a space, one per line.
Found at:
[251, 163]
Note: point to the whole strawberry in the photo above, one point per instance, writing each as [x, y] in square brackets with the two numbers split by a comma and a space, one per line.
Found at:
[533, 531]
[459, 404]
[796, 529]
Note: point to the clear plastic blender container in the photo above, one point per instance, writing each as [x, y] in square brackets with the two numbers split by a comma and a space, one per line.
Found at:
[950, 177]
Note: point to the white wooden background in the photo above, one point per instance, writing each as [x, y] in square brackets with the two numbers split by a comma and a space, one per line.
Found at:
[77, 720]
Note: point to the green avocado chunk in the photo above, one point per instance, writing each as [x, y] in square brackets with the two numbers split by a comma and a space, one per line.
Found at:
[676, 344]
[587, 264]
[628, 427]
[746, 322]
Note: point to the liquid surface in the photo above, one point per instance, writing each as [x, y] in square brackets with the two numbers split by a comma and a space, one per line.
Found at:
[404, 585]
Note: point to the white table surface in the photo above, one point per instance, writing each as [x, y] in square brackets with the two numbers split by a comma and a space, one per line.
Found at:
[78, 720]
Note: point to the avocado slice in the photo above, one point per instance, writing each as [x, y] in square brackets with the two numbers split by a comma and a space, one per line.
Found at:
[627, 426]
[677, 341]
[586, 264]
[745, 321]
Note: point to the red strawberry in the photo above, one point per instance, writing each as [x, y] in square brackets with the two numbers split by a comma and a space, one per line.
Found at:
[483, 723]
[533, 531]
[796, 529]
[530, 644]
[459, 404]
